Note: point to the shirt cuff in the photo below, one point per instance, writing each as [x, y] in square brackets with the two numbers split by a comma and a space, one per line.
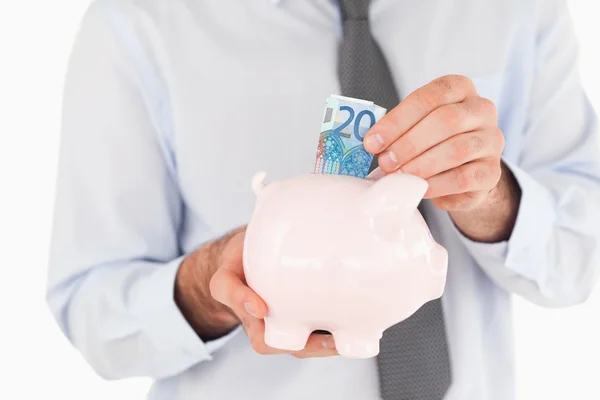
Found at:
[165, 324]
[533, 227]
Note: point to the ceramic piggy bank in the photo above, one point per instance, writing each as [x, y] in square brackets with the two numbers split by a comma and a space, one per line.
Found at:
[348, 255]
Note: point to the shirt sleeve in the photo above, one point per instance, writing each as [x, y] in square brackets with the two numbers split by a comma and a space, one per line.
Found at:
[552, 257]
[118, 211]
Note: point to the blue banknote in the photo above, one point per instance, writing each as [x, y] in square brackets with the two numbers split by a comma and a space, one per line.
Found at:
[345, 123]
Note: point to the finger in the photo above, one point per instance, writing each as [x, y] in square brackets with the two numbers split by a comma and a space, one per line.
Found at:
[233, 253]
[376, 174]
[318, 345]
[460, 202]
[456, 151]
[318, 354]
[228, 286]
[318, 342]
[471, 177]
[445, 122]
[420, 103]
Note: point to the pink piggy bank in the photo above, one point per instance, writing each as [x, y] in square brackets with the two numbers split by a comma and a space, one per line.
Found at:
[348, 255]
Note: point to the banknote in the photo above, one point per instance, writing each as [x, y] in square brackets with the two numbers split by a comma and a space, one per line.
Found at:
[345, 122]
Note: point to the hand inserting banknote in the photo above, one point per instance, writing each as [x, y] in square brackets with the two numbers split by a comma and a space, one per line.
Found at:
[345, 122]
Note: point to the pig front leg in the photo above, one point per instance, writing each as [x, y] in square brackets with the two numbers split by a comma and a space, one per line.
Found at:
[284, 335]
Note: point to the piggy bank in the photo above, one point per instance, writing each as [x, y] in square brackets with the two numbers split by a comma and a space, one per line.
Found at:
[347, 255]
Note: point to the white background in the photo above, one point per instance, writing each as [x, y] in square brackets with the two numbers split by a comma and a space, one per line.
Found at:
[558, 350]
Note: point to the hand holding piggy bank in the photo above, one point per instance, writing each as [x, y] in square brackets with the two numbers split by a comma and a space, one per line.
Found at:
[348, 255]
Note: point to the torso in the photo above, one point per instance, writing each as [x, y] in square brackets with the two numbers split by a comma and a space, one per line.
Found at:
[246, 84]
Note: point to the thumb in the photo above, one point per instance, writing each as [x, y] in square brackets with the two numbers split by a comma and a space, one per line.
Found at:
[228, 287]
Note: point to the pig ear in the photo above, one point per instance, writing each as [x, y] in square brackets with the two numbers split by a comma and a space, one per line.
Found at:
[258, 182]
[396, 194]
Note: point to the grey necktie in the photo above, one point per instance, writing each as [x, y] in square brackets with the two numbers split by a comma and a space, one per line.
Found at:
[413, 360]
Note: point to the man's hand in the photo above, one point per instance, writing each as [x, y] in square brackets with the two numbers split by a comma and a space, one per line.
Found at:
[212, 293]
[448, 135]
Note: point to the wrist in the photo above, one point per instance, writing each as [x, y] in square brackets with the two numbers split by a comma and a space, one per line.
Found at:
[209, 318]
[494, 218]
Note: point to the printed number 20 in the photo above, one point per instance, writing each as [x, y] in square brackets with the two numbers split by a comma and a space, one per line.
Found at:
[360, 115]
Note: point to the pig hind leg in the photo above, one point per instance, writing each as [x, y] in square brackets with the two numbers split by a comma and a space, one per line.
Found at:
[357, 343]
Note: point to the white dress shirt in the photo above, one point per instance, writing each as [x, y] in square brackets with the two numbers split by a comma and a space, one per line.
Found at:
[171, 106]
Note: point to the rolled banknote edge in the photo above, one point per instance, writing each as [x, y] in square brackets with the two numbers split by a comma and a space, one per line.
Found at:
[352, 99]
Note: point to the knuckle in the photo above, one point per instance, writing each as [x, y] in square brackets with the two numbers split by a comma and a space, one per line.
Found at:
[459, 82]
[453, 115]
[428, 98]
[472, 176]
[481, 107]
[409, 148]
[480, 174]
[464, 83]
[445, 84]
[476, 144]
[405, 149]
[442, 88]
[487, 106]
[498, 139]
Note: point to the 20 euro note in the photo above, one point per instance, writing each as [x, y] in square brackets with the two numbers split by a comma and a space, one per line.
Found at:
[345, 123]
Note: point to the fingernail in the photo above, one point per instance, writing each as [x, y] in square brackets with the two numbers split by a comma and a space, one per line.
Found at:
[374, 143]
[388, 160]
[328, 343]
[249, 306]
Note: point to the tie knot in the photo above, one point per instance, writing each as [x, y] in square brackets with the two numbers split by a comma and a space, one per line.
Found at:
[354, 9]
